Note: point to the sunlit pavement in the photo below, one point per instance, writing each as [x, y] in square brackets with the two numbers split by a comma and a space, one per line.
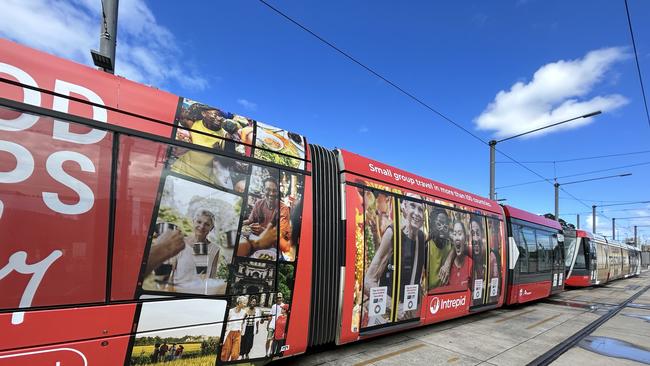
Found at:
[516, 335]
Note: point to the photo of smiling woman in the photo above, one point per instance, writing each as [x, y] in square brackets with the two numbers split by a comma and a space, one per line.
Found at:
[459, 271]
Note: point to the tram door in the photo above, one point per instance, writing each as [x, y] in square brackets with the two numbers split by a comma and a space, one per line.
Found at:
[557, 243]
[485, 252]
[411, 252]
[593, 259]
[395, 247]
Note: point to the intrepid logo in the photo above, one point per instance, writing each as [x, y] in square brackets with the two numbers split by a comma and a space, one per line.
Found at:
[437, 304]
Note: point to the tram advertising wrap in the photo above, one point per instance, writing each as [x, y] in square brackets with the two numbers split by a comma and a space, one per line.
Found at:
[138, 227]
[88, 216]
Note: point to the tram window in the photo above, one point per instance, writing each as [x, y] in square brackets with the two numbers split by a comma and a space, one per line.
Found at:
[544, 251]
[569, 247]
[580, 258]
[558, 251]
[531, 246]
[521, 245]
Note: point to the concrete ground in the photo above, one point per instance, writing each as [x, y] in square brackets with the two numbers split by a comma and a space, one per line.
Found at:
[516, 335]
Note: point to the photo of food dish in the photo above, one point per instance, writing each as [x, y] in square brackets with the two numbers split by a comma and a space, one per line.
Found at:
[279, 146]
[270, 141]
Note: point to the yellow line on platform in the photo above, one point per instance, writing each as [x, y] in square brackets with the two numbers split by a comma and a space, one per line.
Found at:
[389, 355]
[543, 321]
[514, 316]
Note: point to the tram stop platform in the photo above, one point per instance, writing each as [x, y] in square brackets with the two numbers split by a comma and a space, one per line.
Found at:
[605, 325]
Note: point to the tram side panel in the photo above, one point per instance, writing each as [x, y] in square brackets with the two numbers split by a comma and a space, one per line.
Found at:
[603, 262]
[57, 196]
[392, 278]
[625, 259]
[615, 265]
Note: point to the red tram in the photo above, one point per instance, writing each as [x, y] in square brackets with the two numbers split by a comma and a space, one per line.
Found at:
[139, 227]
[593, 260]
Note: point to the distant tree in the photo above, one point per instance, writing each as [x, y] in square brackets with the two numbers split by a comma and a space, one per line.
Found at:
[549, 216]
[564, 224]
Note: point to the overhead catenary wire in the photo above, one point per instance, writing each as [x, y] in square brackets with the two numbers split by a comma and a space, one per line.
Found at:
[405, 92]
[577, 159]
[576, 175]
[627, 202]
[636, 59]
[606, 211]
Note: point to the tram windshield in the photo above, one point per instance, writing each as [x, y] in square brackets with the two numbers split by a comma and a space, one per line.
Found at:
[569, 249]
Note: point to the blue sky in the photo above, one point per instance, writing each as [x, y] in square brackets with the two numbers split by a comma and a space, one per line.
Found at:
[496, 68]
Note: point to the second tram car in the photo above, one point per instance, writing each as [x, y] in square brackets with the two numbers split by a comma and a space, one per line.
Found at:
[591, 259]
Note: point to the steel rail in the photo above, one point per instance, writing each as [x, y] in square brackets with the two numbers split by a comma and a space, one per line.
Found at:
[554, 353]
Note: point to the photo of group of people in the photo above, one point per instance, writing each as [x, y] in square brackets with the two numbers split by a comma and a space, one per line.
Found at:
[464, 250]
[449, 260]
[256, 327]
[167, 333]
[439, 249]
[384, 299]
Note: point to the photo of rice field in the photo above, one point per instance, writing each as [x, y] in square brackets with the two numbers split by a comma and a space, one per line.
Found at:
[175, 353]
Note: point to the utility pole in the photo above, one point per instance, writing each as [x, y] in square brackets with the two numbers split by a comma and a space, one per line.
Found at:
[636, 243]
[557, 200]
[593, 219]
[557, 190]
[105, 58]
[493, 145]
[613, 228]
[578, 221]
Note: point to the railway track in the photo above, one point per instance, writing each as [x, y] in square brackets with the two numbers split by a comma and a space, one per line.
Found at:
[557, 351]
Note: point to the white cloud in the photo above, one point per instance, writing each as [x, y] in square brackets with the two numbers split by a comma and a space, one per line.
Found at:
[247, 104]
[363, 129]
[146, 50]
[557, 91]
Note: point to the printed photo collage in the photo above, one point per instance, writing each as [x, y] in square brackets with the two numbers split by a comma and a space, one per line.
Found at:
[204, 125]
[193, 331]
[438, 250]
[226, 228]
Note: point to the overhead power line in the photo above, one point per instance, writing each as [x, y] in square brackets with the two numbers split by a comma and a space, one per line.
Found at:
[577, 159]
[633, 217]
[643, 209]
[636, 59]
[405, 92]
[575, 175]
